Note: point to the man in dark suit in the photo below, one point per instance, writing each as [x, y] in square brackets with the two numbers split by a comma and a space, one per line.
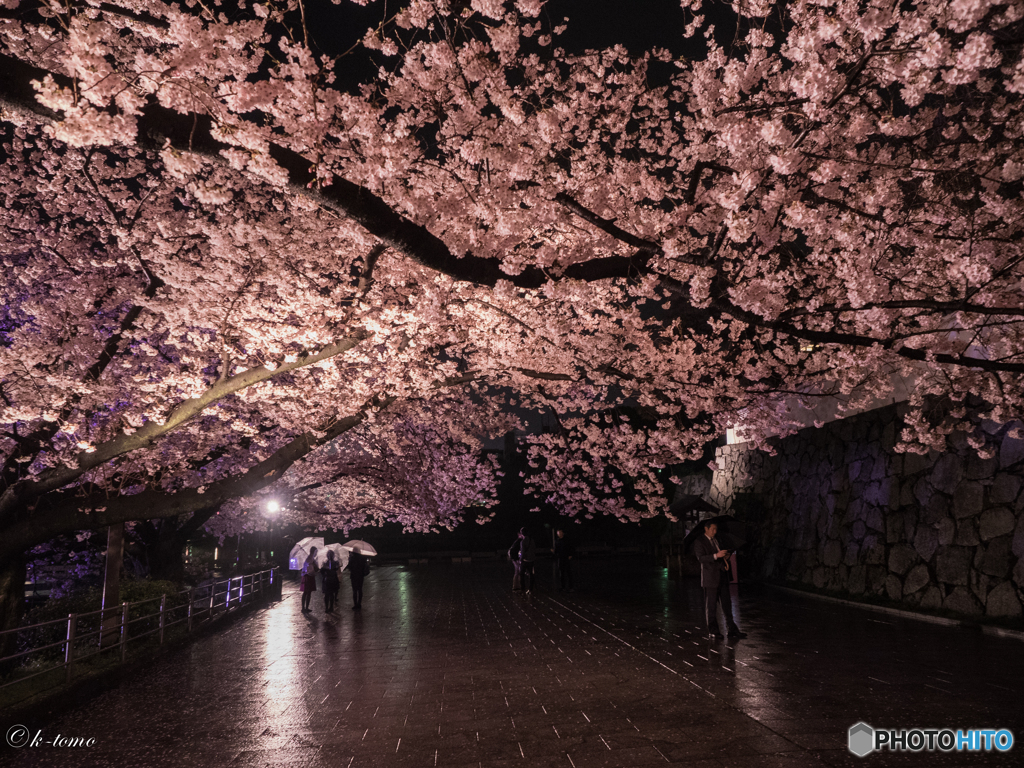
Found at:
[715, 577]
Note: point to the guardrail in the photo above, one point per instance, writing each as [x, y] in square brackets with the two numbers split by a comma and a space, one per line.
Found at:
[86, 635]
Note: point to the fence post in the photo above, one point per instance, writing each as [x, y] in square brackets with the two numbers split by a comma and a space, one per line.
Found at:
[213, 593]
[69, 649]
[163, 614]
[124, 632]
[190, 591]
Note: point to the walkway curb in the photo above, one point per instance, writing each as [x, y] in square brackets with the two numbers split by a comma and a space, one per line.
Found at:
[1011, 634]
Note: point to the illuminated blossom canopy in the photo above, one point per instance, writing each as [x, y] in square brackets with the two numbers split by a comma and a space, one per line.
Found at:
[220, 253]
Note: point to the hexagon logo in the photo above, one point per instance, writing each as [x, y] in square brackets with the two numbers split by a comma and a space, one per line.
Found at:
[861, 739]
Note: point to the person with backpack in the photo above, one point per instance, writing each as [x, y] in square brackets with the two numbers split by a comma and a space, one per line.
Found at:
[331, 581]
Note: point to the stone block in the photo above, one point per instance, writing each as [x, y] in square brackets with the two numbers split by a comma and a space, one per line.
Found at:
[1004, 489]
[1003, 602]
[915, 462]
[978, 468]
[893, 499]
[1018, 538]
[901, 559]
[994, 522]
[947, 473]
[957, 442]
[967, 533]
[876, 579]
[980, 584]
[936, 509]
[967, 499]
[874, 550]
[932, 599]
[917, 579]
[878, 469]
[857, 530]
[888, 438]
[832, 554]
[1018, 573]
[1011, 451]
[996, 560]
[893, 588]
[852, 556]
[819, 577]
[874, 519]
[907, 493]
[923, 491]
[953, 565]
[895, 466]
[894, 527]
[853, 470]
[961, 601]
[857, 581]
[926, 541]
[946, 530]
[877, 493]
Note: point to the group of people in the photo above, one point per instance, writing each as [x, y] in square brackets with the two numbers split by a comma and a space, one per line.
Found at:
[523, 554]
[714, 575]
[330, 578]
[714, 561]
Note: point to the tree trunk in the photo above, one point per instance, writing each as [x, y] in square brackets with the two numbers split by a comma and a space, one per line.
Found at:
[12, 600]
[112, 583]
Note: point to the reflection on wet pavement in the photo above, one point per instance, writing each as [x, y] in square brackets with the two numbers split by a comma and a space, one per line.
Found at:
[444, 666]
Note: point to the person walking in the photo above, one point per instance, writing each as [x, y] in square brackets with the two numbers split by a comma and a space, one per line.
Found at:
[358, 567]
[330, 581]
[714, 578]
[527, 556]
[564, 551]
[513, 556]
[308, 583]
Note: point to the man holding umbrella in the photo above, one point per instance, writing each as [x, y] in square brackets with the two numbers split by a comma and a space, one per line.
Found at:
[714, 578]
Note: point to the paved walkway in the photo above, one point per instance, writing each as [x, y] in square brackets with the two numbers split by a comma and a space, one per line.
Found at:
[445, 667]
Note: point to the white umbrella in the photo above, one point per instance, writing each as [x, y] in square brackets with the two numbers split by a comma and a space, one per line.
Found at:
[340, 556]
[362, 546]
[301, 549]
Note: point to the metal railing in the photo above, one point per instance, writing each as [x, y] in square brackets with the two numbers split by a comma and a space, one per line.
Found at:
[96, 632]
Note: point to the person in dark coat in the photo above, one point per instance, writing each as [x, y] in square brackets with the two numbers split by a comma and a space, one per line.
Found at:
[330, 581]
[527, 554]
[714, 578]
[513, 556]
[564, 551]
[308, 584]
[357, 568]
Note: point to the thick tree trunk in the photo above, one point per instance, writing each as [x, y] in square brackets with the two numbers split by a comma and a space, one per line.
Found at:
[12, 600]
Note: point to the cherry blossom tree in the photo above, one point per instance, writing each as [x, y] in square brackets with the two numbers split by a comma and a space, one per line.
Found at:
[216, 246]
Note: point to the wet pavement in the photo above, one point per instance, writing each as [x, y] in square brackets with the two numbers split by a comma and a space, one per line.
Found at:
[446, 667]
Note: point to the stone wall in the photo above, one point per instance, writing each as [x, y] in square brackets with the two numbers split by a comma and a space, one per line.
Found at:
[836, 508]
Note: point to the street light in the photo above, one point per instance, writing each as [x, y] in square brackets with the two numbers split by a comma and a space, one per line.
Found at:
[273, 507]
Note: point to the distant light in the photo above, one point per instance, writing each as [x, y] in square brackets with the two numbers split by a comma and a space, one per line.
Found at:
[273, 507]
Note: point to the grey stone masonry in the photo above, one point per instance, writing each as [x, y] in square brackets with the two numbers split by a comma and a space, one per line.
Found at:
[837, 508]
